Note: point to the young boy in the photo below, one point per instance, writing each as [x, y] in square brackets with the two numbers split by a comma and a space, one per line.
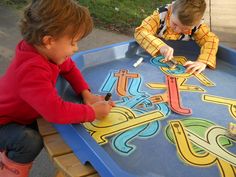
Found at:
[50, 30]
[181, 20]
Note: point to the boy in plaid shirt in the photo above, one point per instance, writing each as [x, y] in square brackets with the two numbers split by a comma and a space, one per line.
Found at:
[181, 20]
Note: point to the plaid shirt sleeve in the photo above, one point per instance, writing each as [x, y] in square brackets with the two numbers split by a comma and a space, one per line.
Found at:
[145, 34]
[208, 42]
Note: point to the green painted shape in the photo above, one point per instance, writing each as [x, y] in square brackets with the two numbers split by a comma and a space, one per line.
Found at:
[198, 126]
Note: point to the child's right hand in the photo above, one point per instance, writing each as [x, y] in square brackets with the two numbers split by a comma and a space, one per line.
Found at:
[102, 109]
[167, 52]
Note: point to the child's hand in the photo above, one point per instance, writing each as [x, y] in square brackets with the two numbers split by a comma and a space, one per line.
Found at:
[91, 99]
[102, 109]
[167, 52]
[195, 67]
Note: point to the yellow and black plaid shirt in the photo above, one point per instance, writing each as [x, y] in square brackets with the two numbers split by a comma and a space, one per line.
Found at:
[157, 26]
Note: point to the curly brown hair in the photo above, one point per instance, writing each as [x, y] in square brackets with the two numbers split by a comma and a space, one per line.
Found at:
[189, 12]
[55, 18]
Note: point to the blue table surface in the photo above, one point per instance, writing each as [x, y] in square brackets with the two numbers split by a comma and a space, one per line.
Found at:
[150, 150]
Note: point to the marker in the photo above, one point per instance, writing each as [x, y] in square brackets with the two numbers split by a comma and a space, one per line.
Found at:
[172, 63]
[108, 96]
[138, 62]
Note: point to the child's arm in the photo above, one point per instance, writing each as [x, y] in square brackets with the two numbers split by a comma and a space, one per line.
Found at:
[145, 34]
[208, 42]
[35, 87]
[73, 75]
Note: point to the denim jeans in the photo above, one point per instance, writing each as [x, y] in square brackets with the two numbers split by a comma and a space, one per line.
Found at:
[22, 143]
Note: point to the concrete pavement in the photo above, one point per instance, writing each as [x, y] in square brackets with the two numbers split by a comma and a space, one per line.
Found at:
[10, 36]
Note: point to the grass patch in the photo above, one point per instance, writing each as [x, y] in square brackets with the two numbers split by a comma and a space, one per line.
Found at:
[121, 15]
[115, 15]
[18, 4]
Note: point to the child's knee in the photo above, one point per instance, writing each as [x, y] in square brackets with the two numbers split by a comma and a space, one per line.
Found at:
[32, 141]
[26, 147]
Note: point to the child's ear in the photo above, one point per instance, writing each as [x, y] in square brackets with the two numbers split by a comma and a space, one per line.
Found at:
[48, 41]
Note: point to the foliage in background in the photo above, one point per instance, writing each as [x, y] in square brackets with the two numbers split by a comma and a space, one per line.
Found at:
[15, 3]
[121, 15]
[116, 15]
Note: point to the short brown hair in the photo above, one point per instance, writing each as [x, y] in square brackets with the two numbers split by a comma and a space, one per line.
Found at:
[55, 18]
[189, 12]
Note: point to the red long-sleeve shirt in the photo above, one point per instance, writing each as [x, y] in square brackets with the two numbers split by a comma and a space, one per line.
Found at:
[27, 90]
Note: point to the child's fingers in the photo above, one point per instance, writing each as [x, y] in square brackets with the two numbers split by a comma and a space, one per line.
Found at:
[107, 104]
[188, 63]
[168, 54]
[190, 69]
[98, 98]
[102, 97]
[110, 106]
[112, 103]
[164, 53]
[171, 54]
[201, 68]
[196, 69]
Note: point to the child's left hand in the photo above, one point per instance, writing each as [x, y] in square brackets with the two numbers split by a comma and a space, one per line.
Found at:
[91, 98]
[194, 67]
